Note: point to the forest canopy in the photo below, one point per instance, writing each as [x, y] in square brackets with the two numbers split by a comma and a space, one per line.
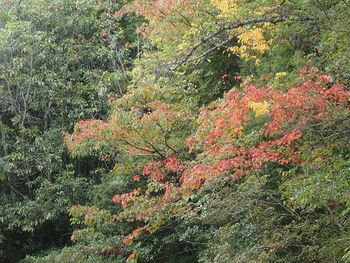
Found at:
[174, 131]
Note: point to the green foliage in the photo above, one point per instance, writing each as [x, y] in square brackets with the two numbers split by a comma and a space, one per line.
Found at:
[60, 62]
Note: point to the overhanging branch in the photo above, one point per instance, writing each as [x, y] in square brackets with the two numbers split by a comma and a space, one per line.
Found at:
[276, 19]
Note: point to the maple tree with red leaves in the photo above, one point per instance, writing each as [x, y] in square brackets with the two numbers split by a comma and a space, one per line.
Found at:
[238, 136]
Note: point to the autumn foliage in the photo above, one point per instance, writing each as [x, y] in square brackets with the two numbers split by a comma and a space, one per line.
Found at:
[235, 137]
[162, 131]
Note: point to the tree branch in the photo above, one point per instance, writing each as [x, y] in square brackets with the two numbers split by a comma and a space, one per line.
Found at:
[151, 145]
[166, 139]
[253, 21]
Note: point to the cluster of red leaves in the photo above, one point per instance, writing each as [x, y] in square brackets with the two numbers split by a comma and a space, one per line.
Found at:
[85, 131]
[298, 105]
[159, 14]
[150, 202]
[134, 235]
[134, 130]
[153, 9]
[290, 111]
[156, 172]
[126, 197]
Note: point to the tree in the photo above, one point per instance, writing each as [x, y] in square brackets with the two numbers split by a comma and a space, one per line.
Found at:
[60, 62]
